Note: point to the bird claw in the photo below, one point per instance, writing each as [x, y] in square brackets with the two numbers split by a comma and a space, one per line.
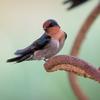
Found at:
[45, 59]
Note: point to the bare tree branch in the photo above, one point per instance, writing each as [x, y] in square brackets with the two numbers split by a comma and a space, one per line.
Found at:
[76, 48]
[75, 65]
[72, 64]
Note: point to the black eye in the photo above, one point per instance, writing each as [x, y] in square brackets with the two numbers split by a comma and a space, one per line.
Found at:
[51, 25]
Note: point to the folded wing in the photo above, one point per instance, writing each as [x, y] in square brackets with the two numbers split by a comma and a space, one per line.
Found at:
[25, 53]
[36, 45]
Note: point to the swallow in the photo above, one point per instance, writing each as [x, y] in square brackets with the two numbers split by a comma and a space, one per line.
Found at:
[45, 47]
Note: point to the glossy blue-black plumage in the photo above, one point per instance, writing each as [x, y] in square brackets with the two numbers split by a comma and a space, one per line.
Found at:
[36, 45]
[28, 51]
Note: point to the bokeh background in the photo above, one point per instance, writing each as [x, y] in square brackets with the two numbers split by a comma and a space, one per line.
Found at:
[21, 23]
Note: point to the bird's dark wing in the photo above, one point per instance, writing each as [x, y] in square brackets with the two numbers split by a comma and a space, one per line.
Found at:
[36, 45]
[24, 54]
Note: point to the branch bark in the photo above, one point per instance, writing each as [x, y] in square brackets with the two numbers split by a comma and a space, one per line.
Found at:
[73, 64]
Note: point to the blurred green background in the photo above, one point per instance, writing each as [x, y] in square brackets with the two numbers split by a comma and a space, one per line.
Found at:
[21, 23]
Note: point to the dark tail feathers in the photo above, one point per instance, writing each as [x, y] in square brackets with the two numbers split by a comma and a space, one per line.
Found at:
[18, 59]
[14, 59]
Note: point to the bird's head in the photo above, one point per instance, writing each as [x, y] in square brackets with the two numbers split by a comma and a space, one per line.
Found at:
[51, 26]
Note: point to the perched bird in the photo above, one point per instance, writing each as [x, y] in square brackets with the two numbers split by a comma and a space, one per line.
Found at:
[48, 45]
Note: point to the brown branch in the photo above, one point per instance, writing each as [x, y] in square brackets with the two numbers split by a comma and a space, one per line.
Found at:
[83, 31]
[72, 64]
[76, 48]
[75, 65]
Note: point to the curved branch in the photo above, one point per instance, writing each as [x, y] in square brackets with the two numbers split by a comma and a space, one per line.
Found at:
[75, 65]
[76, 48]
[83, 31]
[72, 64]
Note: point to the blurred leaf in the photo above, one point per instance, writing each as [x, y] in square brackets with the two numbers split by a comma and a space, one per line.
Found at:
[74, 3]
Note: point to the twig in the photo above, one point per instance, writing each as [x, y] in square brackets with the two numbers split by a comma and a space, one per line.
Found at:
[76, 65]
[76, 48]
[72, 64]
[83, 31]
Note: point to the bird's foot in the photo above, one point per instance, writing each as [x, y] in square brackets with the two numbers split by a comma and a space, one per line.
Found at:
[45, 59]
